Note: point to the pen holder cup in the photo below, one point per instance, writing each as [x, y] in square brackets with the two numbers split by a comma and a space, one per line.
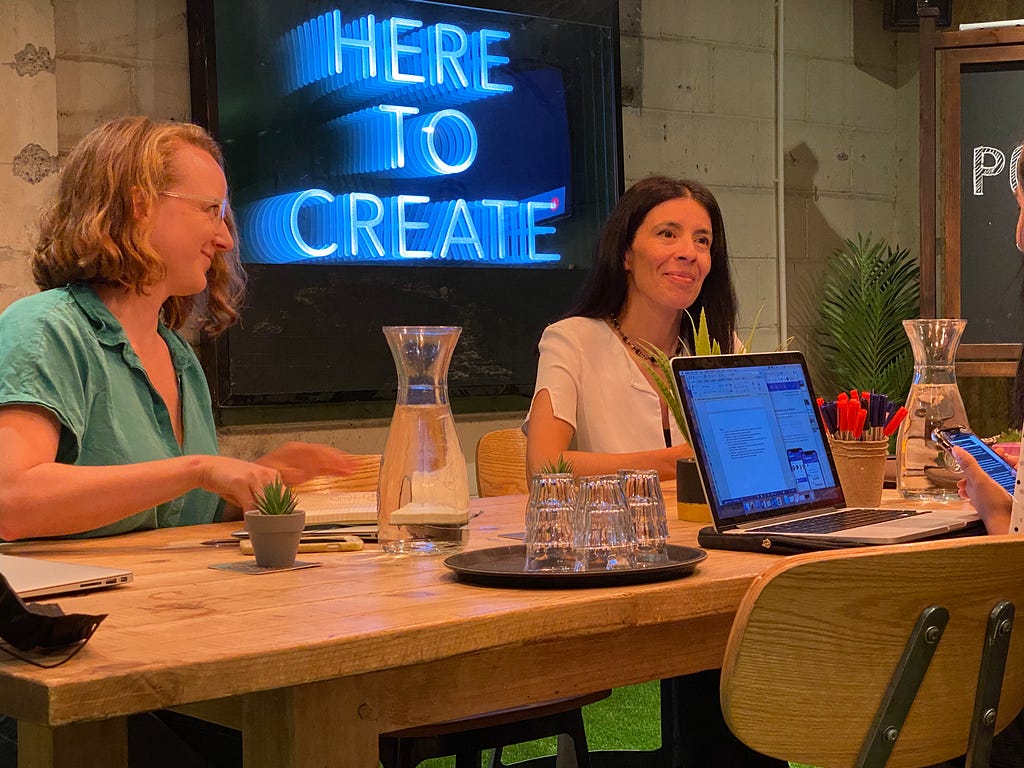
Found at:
[861, 468]
[691, 504]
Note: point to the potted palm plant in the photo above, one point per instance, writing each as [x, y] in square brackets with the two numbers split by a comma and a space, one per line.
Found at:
[869, 289]
[275, 526]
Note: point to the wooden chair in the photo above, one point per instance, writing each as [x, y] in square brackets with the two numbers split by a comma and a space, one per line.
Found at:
[880, 656]
[501, 463]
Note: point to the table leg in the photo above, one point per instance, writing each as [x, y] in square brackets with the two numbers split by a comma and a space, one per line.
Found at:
[99, 744]
[319, 724]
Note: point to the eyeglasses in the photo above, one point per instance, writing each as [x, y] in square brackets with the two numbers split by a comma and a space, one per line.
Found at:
[216, 208]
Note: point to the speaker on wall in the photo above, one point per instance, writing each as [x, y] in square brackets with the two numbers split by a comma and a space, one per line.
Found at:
[902, 14]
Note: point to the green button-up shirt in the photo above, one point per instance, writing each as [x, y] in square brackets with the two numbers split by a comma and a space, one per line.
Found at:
[63, 350]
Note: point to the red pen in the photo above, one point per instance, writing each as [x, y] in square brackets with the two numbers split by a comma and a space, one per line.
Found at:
[894, 421]
[858, 426]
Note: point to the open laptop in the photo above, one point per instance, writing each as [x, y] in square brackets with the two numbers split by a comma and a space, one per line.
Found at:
[764, 459]
[33, 577]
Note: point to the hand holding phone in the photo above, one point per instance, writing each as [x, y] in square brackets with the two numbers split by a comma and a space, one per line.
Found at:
[990, 461]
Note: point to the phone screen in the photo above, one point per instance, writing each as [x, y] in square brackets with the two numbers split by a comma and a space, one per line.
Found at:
[990, 461]
[796, 463]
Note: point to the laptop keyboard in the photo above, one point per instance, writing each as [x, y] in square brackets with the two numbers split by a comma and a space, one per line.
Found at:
[840, 521]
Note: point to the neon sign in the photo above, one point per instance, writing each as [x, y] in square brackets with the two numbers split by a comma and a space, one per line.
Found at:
[362, 227]
[399, 141]
[369, 58]
[399, 84]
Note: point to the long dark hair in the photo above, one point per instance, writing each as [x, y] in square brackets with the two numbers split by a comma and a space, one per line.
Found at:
[604, 291]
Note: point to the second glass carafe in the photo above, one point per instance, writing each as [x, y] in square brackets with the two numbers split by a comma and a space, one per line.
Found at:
[933, 401]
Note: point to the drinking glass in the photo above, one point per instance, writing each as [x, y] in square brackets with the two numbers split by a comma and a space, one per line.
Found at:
[549, 523]
[603, 531]
[642, 489]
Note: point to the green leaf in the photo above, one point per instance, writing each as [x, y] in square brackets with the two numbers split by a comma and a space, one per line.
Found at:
[661, 368]
[558, 467]
[275, 498]
[661, 372]
[702, 337]
[869, 288]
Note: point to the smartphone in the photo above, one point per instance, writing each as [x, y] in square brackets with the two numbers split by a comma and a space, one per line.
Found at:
[990, 461]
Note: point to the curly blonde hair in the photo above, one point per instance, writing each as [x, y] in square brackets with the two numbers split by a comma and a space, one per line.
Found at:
[89, 233]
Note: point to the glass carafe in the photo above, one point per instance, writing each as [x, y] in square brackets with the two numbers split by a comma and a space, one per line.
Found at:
[423, 491]
[934, 401]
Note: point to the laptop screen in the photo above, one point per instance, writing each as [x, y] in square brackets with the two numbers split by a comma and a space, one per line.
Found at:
[757, 435]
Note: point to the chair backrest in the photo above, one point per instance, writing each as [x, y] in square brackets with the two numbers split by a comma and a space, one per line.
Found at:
[362, 478]
[501, 463]
[818, 637]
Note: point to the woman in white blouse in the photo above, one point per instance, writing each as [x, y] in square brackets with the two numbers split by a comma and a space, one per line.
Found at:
[662, 254]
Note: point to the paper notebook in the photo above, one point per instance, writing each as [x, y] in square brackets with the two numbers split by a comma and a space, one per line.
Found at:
[338, 507]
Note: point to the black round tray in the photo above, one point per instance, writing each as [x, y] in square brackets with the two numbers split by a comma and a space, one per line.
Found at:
[503, 567]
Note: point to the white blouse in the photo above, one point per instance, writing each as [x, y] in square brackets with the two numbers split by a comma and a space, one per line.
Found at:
[596, 385]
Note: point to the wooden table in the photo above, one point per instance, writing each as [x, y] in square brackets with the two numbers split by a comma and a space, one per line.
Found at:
[313, 664]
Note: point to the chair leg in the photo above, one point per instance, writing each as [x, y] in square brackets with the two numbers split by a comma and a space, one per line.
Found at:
[566, 756]
[406, 751]
[399, 753]
[578, 756]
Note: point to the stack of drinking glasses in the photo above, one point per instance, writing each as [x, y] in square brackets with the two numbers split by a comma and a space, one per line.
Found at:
[600, 523]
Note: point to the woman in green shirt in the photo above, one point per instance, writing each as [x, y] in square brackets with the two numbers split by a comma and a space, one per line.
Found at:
[105, 417]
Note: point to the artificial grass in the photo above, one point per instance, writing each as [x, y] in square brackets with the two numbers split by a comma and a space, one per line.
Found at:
[628, 719]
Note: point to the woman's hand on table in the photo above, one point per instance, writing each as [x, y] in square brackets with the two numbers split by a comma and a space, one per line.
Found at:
[234, 480]
[298, 462]
[989, 498]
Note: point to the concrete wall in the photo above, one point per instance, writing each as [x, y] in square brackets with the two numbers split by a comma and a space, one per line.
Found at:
[28, 135]
[699, 102]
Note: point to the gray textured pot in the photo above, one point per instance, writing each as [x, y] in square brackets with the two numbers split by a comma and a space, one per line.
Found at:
[275, 538]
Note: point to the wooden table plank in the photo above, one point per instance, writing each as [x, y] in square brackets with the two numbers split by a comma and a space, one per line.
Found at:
[363, 644]
[97, 744]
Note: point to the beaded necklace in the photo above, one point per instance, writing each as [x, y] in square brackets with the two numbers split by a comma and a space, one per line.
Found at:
[640, 351]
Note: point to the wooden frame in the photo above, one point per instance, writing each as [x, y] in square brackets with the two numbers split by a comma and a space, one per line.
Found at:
[951, 50]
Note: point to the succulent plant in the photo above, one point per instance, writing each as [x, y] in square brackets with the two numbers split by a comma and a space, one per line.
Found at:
[559, 466]
[660, 367]
[275, 498]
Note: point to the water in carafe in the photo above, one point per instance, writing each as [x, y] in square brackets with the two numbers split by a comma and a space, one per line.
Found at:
[934, 401]
[423, 490]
